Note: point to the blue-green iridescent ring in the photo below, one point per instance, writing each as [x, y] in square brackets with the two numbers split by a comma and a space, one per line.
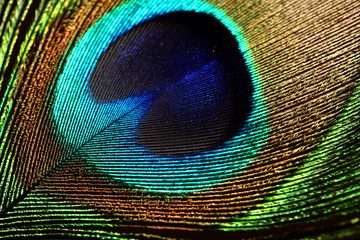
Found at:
[79, 119]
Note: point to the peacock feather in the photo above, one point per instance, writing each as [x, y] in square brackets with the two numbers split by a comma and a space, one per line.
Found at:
[179, 119]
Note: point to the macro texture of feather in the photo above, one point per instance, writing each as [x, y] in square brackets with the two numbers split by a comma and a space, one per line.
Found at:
[180, 119]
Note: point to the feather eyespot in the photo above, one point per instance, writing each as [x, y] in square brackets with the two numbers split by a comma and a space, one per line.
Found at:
[173, 90]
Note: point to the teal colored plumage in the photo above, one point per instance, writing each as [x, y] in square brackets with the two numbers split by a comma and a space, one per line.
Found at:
[179, 119]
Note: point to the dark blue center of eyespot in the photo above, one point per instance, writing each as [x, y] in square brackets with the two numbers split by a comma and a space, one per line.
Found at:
[191, 64]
